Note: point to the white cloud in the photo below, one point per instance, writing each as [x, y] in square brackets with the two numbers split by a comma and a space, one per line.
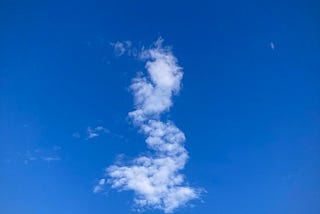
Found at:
[45, 155]
[154, 97]
[76, 135]
[272, 46]
[121, 48]
[95, 132]
[156, 179]
[99, 186]
[51, 159]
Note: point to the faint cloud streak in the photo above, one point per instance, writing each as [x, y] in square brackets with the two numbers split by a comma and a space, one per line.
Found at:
[272, 46]
[120, 48]
[95, 132]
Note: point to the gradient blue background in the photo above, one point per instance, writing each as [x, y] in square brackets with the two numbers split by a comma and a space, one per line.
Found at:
[251, 114]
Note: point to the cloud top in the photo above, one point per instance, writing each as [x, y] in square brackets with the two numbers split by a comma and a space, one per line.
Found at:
[153, 93]
[156, 179]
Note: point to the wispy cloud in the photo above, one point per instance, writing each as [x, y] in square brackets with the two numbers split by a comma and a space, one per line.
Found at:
[272, 45]
[95, 132]
[156, 179]
[100, 186]
[51, 159]
[121, 48]
[37, 155]
[76, 135]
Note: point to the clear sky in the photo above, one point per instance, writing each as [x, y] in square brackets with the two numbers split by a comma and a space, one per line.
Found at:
[248, 105]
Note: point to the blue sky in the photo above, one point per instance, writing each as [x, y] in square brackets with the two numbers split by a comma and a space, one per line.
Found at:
[248, 103]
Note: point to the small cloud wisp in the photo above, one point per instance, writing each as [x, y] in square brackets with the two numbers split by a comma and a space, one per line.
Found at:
[95, 132]
[120, 48]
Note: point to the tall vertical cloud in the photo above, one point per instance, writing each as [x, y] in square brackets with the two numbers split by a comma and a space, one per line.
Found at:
[156, 179]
